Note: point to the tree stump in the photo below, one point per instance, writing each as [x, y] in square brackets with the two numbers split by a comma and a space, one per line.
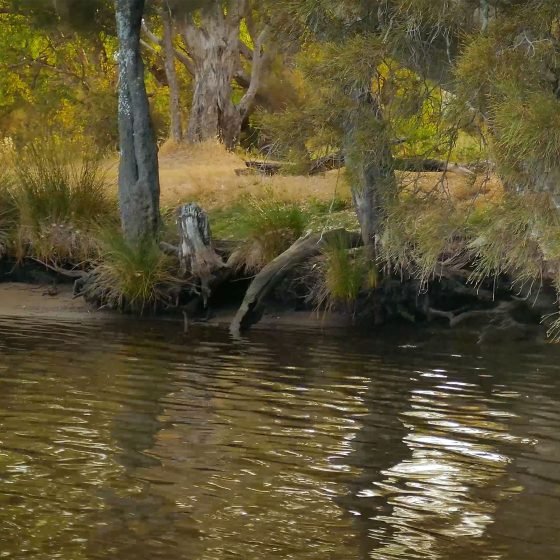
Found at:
[196, 254]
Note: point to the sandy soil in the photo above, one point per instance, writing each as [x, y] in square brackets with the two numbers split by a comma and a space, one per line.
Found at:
[28, 300]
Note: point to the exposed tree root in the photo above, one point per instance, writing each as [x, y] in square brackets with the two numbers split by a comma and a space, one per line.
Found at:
[272, 274]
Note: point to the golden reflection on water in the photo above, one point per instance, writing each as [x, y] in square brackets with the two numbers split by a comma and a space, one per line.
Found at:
[447, 490]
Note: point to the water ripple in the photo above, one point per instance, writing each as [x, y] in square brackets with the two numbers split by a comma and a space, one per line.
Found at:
[135, 442]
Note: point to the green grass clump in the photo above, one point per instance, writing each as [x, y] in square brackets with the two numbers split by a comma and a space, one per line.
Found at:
[60, 202]
[268, 227]
[344, 274]
[133, 277]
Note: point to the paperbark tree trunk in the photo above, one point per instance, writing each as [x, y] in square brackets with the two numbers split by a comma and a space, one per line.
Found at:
[138, 169]
[215, 46]
[213, 56]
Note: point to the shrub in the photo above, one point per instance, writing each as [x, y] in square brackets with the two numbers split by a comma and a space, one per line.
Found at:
[60, 201]
[133, 277]
[343, 275]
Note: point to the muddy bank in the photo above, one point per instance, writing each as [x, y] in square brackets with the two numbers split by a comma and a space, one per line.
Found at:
[42, 301]
[30, 300]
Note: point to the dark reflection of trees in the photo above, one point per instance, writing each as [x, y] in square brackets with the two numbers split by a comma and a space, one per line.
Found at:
[377, 446]
[250, 450]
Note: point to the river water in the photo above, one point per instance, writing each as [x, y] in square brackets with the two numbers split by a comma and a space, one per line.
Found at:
[133, 441]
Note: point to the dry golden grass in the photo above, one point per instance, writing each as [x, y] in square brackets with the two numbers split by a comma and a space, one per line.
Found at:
[206, 173]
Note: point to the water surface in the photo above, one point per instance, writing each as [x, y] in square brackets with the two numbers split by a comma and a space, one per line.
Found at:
[136, 442]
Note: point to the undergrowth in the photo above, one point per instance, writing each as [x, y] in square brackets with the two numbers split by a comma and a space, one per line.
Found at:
[57, 202]
[267, 226]
[341, 275]
[133, 277]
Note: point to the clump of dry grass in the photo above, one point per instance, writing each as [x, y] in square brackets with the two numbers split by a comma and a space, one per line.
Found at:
[59, 199]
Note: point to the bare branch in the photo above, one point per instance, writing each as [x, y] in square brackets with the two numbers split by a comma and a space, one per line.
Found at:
[180, 56]
[260, 57]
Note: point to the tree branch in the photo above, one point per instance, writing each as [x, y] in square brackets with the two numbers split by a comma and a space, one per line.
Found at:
[260, 57]
[181, 57]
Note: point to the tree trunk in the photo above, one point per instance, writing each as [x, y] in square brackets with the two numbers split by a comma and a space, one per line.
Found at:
[252, 307]
[176, 126]
[138, 170]
[196, 254]
[370, 166]
[215, 47]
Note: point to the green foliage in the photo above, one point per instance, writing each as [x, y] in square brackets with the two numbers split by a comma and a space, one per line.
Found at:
[418, 233]
[515, 237]
[269, 226]
[133, 277]
[342, 275]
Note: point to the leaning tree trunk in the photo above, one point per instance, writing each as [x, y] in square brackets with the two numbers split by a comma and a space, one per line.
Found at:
[138, 170]
[253, 305]
[176, 126]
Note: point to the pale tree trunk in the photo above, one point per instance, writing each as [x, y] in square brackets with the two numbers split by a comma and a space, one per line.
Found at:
[138, 170]
[213, 57]
[176, 126]
[215, 50]
[214, 45]
[370, 167]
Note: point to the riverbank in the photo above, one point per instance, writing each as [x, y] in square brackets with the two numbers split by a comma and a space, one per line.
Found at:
[42, 301]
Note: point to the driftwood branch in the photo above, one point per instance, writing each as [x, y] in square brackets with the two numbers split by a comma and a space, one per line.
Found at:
[305, 247]
[456, 317]
[62, 271]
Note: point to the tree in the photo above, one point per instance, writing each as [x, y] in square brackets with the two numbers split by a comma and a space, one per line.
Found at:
[176, 125]
[138, 170]
[214, 55]
[57, 78]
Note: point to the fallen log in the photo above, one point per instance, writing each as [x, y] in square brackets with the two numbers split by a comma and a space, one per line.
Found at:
[264, 167]
[336, 161]
[252, 308]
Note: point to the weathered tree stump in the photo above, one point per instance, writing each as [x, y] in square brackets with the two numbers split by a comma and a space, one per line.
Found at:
[273, 273]
[197, 257]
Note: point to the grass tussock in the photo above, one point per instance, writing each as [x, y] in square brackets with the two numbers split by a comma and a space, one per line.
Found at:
[268, 227]
[60, 201]
[341, 275]
[133, 277]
